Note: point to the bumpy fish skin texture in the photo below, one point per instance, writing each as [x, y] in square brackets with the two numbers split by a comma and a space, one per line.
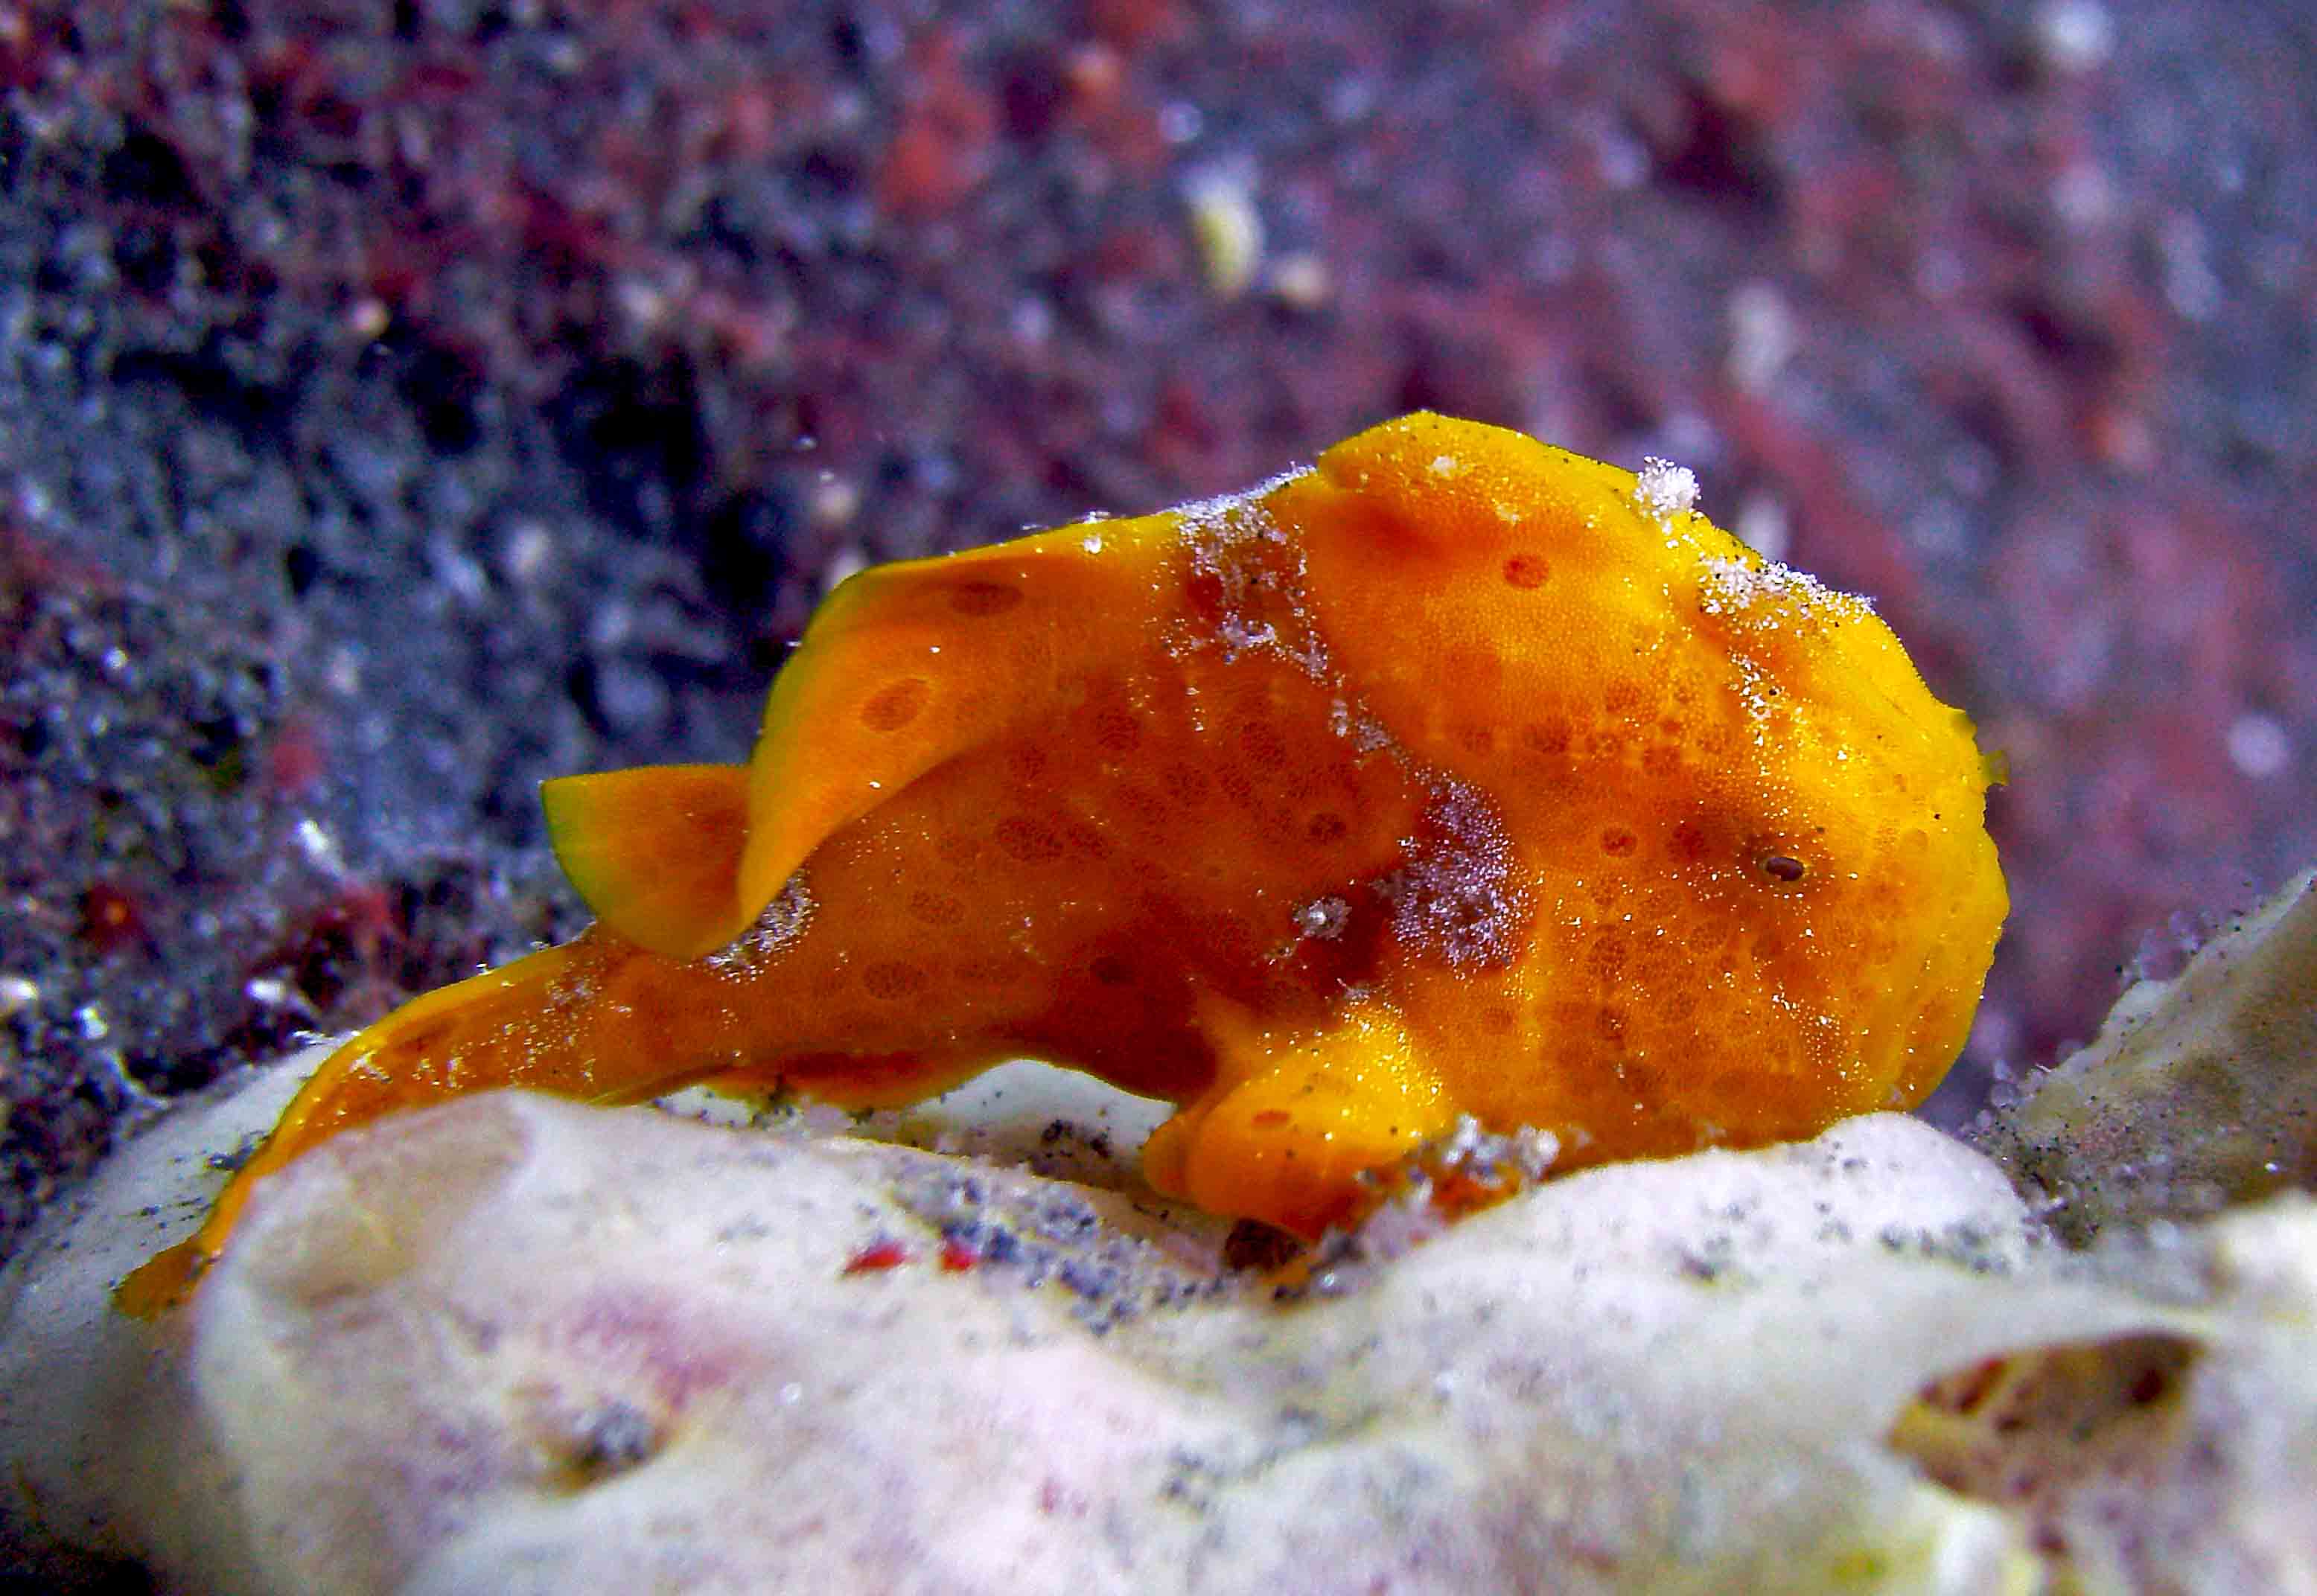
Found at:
[1456, 775]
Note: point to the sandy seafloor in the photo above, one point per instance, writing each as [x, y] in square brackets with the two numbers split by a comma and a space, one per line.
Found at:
[401, 402]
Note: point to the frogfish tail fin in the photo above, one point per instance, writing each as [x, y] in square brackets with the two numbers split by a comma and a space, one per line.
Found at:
[539, 1022]
[655, 852]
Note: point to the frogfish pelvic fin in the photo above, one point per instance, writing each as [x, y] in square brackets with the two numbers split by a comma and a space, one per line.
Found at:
[1454, 775]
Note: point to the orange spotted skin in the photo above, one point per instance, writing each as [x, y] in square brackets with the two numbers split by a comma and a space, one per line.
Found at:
[1456, 775]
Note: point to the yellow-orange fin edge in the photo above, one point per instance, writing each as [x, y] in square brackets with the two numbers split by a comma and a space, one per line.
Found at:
[655, 850]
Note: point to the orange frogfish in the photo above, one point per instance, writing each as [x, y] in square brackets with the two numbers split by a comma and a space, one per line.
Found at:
[1454, 775]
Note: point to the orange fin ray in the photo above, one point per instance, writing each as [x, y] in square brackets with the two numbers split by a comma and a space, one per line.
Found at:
[655, 850]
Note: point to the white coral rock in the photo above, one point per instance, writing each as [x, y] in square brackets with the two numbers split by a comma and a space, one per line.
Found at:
[512, 1345]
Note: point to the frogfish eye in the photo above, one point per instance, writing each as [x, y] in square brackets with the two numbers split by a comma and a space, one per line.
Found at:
[1784, 867]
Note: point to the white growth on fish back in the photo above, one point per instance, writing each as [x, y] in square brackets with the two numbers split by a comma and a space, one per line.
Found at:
[1663, 490]
[1762, 593]
[1234, 539]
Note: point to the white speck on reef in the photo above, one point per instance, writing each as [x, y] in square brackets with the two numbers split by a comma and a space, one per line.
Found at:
[1764, 527]
[2258, 746]
[321, 849]
[2073, 36]
[1761, 336]
[17, 993]
[844, 563]
[1227, 228]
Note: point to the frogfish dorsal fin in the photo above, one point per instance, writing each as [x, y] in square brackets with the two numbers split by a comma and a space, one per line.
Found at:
[654, 851]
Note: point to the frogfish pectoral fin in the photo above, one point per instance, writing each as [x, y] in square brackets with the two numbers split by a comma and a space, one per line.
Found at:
[655, 852]
[908, 666]
[1296, 1116]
